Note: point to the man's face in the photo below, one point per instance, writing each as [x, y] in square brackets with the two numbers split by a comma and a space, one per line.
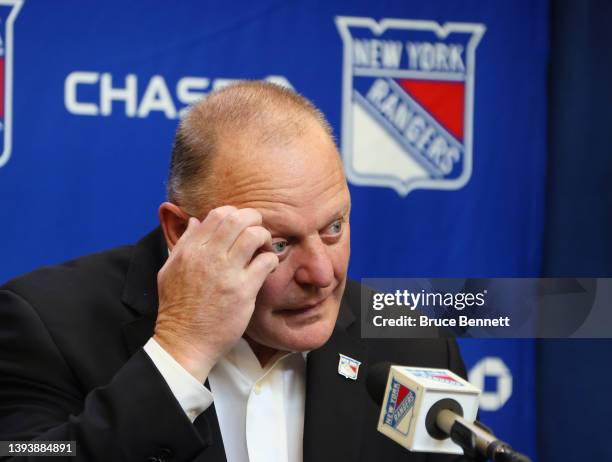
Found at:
[300, 190]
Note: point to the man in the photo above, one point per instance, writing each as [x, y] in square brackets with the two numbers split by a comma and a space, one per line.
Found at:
[244, 289]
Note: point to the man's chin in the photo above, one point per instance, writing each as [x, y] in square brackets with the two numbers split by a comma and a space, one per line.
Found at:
[304, 338]
[309, 343]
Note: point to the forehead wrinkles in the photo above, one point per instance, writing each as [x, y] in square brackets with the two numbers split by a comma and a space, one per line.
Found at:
[294, 209]
[289, 174]
[286, 187]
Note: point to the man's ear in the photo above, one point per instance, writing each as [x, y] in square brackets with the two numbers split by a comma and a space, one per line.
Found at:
[173, 221]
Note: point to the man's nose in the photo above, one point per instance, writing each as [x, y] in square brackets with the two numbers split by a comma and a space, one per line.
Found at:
[314, 265]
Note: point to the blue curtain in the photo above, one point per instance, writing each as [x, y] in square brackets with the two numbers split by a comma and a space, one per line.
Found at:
[573, 375]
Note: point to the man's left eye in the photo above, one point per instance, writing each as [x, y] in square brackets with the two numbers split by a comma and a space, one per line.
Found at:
[335, 227]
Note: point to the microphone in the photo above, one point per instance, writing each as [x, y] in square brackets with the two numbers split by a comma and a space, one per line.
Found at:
[433, 410]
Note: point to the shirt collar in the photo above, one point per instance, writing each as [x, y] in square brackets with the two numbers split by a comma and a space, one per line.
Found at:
[242, 357]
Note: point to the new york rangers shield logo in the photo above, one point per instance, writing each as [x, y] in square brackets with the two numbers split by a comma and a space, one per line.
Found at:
[348, 367]
[8, 13]
[407, 102]
[399, 407]
[437, 376]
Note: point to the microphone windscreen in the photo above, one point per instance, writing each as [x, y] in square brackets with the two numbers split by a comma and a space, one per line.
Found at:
[376, 381]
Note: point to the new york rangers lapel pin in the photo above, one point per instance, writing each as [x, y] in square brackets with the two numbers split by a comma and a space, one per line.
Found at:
[348, 367]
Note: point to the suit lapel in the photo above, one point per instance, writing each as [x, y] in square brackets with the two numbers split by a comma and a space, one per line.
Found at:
[140, 295]
[137, 331]
[334, 404]
[140, 290]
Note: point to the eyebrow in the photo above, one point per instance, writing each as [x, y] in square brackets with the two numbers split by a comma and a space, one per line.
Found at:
[340, 212]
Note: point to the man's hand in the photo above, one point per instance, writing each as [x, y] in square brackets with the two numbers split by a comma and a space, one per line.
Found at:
[208, 285]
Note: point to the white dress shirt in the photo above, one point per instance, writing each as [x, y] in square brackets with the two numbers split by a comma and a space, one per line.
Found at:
[260, 410]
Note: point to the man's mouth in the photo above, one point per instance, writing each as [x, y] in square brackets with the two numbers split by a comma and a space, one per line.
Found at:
[307, 308]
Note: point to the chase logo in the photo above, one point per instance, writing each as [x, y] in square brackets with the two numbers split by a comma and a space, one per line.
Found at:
[407, 102]
[400, 404]
[8, 13]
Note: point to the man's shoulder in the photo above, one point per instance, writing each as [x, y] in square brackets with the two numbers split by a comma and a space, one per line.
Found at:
[86, 273]
[89, 280]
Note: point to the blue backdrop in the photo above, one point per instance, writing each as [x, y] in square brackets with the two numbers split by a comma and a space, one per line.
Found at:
[447, 161]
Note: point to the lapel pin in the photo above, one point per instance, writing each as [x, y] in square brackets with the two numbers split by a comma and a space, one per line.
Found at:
[348, 367]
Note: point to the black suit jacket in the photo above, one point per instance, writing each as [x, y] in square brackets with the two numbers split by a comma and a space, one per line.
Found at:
[72, 367]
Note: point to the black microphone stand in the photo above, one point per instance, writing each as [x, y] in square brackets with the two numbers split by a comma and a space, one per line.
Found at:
[496, 450]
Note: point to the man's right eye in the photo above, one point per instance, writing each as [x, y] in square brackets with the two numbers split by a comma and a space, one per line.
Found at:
[278, 247]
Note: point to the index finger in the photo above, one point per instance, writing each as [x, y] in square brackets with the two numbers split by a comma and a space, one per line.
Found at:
[233, 225]
[211, 222]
